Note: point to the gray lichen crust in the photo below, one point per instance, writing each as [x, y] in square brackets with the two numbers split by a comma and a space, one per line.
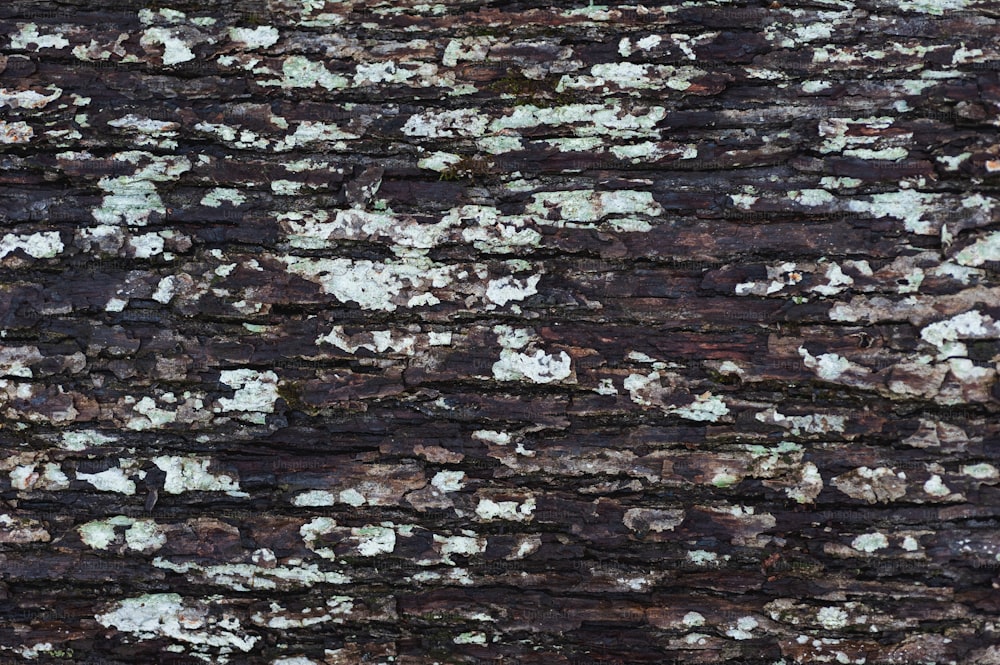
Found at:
[395, 332]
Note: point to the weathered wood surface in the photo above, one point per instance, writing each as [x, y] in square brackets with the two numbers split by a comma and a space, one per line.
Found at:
[461, 333]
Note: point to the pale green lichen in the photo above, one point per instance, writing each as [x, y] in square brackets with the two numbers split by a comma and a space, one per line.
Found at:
[982, 250]
[28, 34]
[42, 245]
[934, 7]
[590, 206]
[374, 286]
[300, 72]
[159, 615]
[262, 36]
[489, 510]
[175, 50]
[537, 367]
[706, 408]
[870, 542]
[217, 195]
[185, 474]
[832, 618]
[28, 99]
[981, 471]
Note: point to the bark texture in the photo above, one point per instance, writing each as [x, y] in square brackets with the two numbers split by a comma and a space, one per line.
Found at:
[396, 332]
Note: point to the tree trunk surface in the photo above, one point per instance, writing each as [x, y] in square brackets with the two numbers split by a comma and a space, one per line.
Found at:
[405, 332]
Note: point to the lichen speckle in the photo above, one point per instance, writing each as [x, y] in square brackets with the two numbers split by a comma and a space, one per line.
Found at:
[870, 542]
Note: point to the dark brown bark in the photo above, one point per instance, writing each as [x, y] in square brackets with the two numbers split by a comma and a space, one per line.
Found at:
[466, 333]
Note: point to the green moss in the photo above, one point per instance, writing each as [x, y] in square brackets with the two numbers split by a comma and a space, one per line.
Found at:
[291, 392]
[468, 168]
[526, 91]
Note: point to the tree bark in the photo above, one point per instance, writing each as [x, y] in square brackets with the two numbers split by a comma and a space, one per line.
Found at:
[344, 332]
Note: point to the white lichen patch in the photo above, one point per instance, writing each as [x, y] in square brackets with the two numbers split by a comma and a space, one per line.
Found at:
[17, 360]
[374, 540]
[144, 536]
[590, 206]
[506, 289]
[907, 205]
[968, 325]
[470, 638]
[809, 485]
[147, 415]
[255, 390]
[632, 76]
[832, 367]
[439, 161]
[83, 439]
[832, 618]
[743, 629]
[811, 197]
[936, 487]
[175, 49]
[24, 474]
[114, 479]
[101, 533]
[42, 245]
[934, 7]
[145, 125]
[311, 133]
[705, 408]
[245, 577]
[649, 151]
[217, 195]
[644, 390]
[870, 542]
[449, 481]
[131, 199]
[141, 535]
[811, 424]
[422, 74]
[191, 474]
[982, 250]
[693, 619]
[374, 286]
[815, 86]
[537, 367]
[301, 72]
[590, 119]
[15, 132]
[352, 497]
[745, 199]
[166, 289]
[262, 36]
[492, 436]
[146, 245]
[286, 187]
[313, 530]
[836, 281]
[28, 99]
[981, 471]
[28, 36]
[469, 49]
[489, 510]
[314, 498]
[159, 615]
[446, 124]
[465, 545]
[606, 387]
